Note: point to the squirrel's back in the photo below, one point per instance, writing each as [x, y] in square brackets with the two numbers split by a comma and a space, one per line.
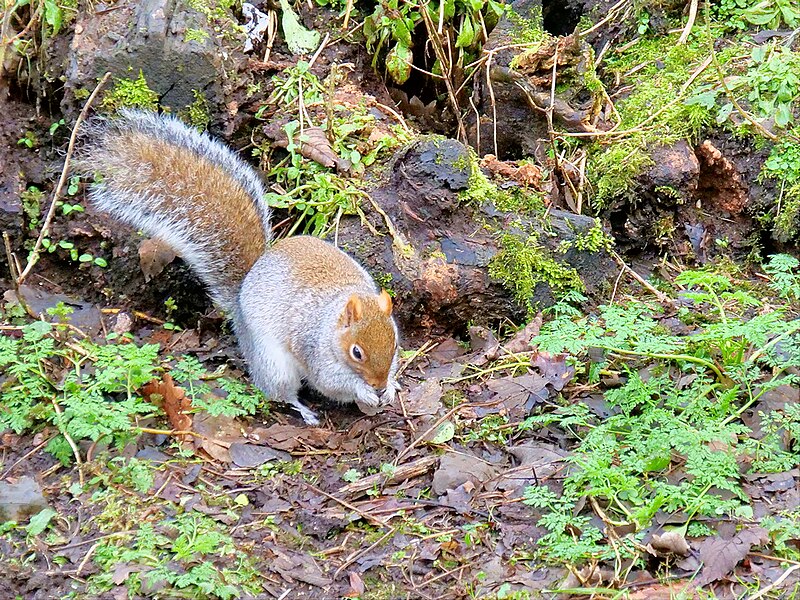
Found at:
[183, 187]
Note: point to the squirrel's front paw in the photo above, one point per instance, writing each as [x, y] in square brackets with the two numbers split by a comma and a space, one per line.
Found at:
[390, 393]
[368, 398]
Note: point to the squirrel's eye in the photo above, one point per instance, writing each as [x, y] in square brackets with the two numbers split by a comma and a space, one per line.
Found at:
[356, 352]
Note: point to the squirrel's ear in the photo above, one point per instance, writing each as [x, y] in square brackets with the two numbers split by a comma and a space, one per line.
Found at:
[352, 311]
[385, 303]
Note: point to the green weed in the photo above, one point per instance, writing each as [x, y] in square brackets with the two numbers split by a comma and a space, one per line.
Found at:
[678, 410]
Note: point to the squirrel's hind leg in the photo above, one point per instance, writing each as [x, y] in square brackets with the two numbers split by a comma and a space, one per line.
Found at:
[276, 372]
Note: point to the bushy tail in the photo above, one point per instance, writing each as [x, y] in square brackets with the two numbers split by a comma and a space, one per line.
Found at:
[183, 187]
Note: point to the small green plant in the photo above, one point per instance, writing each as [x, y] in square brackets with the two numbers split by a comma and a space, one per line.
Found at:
[32, 205]
[50, 382]
[521, 264]
[679, 409]
[195, 35]
[783, 166]
[29, 140]
[130, 93]
[198, 113]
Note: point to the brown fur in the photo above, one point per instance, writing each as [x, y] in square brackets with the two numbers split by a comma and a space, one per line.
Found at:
[374, 333]
[176, 174]
[307, 254]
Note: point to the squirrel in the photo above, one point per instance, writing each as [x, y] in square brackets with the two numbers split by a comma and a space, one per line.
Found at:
[302, 310]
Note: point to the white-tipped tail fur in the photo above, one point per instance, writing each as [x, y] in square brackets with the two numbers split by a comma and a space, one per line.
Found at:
[183, 187]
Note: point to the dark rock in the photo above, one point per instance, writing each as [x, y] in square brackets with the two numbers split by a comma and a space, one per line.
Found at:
[20, 500]
[438, 261]
[675, 167]
[153, 37]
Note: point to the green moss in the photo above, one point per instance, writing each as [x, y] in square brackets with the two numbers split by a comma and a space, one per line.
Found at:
[526, 30]
[592, 240]
[195, 35]
[198, 113]
[522, 264]
[481, 189]
[613, 168]
[130, 93]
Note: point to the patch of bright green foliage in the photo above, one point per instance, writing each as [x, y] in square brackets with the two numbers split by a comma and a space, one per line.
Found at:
[783, 166]
[95, 386]
[182, 553]
[521, 264]
[130, 93]
[679, 409]
[318, 195]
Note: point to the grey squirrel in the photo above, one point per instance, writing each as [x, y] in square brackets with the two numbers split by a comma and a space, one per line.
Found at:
[302, 310]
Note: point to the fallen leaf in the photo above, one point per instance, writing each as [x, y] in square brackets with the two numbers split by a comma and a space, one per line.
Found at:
[443, 434]
[457, 469]
[251, 455]
[289, 437]
[219, 433]
[671, 542]
[518, 395]
[521, 342]
[154, 256]
[314, 145]
[173, 401]
[357, 587]
[720, 556]
[554, 368]
[424, 399]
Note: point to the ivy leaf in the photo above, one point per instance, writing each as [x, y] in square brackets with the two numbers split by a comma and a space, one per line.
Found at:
[398, 63]
[783, 114]
[466, 35]
[40, 521]
[299, 39]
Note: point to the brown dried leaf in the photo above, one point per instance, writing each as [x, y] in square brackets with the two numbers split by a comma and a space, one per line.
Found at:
[424, 399]
[671, 542]
[219, 433]
[251, 455]
[289, 437]
[554, 368]
[174, 402]
[357, 587]
[314, 145]
[154, 255]
[526, 174]
[721, 556]
[457, 469]
[521, 342]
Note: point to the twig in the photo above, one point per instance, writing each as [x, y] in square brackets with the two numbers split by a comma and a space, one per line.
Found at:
[359, 553]
[689, 24]
[776, 583]
[31, 452]
[63, 431]
[34, 257]
[319, 50]
[660, 295]
[400, 473]
[438, 50]
[347, 505]
[13, 268]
